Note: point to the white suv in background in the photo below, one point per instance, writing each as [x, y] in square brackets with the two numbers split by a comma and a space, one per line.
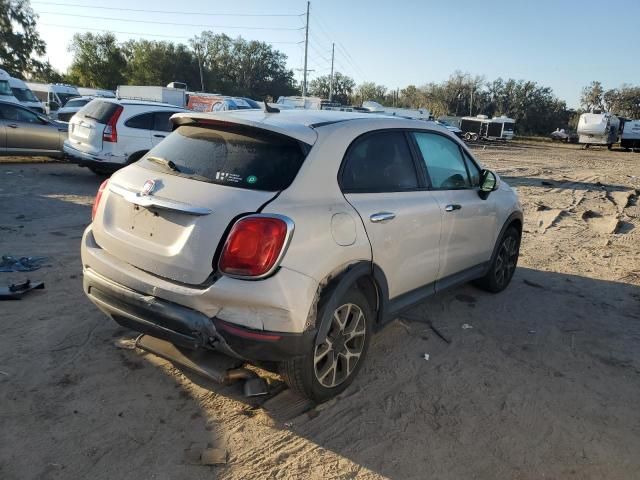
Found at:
[288, 239]
[107, 134]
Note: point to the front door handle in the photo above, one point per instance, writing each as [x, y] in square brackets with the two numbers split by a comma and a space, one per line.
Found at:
[382, 217]
[452, 207]
[12, 125]
[157, 135]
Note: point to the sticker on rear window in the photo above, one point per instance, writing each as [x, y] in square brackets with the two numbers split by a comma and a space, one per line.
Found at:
[228, 177]
[252, 179]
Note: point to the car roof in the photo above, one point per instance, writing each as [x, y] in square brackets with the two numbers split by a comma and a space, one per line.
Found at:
[296, 123]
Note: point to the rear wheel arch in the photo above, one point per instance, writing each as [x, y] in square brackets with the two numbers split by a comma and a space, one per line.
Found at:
[368, 278]
[135, 156]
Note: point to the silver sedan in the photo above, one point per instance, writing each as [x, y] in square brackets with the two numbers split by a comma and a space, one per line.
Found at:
[25, 132]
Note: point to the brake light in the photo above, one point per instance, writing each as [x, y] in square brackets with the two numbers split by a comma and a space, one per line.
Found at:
[255, 245]
[96, 202]
[110, 133]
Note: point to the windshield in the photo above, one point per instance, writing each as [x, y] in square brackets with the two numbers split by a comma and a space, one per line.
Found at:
[65, 97]
[24, 95]
[5, 89]
[251, 159]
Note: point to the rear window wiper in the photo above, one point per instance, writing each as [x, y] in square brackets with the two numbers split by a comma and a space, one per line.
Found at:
[163, 161]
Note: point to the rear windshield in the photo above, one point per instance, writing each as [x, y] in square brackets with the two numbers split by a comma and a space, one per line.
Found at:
[254, 160]
[98, 110]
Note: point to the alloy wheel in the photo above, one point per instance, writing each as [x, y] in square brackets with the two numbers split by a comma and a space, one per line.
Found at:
[506, 260]
[336, 358]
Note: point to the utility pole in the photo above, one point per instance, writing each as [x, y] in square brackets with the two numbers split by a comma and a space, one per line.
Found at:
[471, 103]
[333, 49]
[200, 65]
[306, 49]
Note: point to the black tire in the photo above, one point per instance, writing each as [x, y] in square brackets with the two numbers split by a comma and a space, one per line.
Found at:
[504, 264]
[101, 172]
[301, 373]
[609, 146]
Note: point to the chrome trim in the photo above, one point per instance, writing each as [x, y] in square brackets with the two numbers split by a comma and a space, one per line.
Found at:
[382, 217]
[157, 202]
[287, 240]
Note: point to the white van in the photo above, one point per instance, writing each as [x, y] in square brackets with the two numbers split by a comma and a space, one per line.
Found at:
[25, 96]
[53, 95]
[5, 88]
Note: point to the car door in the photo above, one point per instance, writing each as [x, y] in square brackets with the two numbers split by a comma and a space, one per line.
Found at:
[381, 179]
[26, 133]
[468, 221]
[162, 126]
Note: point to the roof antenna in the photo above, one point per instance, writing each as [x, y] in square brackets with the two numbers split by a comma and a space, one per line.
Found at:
[269, 109]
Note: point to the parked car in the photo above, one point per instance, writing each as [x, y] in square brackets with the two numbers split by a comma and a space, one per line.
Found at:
[107, 134]
[561, 135]
[24, 132]
[72, 107]
[290, 238]
[452, 128]
[25, 96]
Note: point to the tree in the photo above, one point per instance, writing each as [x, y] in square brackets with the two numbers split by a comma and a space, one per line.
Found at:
[592, 96]
[158, 63]
[369, 91]
[245, 68]
[98, 61]
[19, 39]
[342, 87]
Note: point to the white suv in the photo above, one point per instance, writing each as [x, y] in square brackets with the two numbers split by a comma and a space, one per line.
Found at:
[289, 238]
[107, 134]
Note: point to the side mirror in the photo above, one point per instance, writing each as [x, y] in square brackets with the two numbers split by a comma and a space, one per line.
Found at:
[488, 183]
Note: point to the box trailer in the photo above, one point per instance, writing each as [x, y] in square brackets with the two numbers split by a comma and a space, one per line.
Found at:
[171, 96]
[598, 129]
[630, 137]
[482, 127]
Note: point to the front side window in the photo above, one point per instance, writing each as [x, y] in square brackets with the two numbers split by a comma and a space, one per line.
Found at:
[379, 162]
[443, 160]
[16, 114]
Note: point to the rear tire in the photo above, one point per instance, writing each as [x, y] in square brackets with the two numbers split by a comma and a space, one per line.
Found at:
[101, 172]
[504, 264]
[330, 367]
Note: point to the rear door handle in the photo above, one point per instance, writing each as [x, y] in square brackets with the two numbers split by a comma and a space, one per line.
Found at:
[12, 125]
[382, 217]
[452, 207]
[157, 135]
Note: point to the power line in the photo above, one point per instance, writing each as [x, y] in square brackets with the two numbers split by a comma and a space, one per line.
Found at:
[141, 34]
[173, 12]
[169, 23]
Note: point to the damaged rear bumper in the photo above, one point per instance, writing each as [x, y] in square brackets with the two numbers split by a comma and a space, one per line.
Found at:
[189, 328]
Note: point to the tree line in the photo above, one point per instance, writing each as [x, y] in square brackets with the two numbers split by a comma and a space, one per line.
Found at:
[236, 66]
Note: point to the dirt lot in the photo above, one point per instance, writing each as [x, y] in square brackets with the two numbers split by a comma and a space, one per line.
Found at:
[545, 383]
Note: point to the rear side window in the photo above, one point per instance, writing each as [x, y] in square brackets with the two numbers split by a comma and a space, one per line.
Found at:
[379, 162]
[98, 110]
[250, 159]
[144, 121]
[13, 113]
[161, 121]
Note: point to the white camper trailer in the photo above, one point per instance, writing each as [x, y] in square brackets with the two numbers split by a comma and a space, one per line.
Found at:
[25, 96]
[482, 127]
[415, 113]
[53, 95]
[598, 129]
[630, 138]
[6, 93]
[148, 93]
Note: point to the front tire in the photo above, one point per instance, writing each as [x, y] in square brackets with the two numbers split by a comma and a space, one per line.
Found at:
[504, 263]
[330, 367]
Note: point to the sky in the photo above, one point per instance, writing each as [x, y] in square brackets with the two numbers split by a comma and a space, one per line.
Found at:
[562, 44]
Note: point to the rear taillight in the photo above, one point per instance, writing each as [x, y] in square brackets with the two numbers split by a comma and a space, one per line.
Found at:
[255, 246]
[96, 202]
[110, 133]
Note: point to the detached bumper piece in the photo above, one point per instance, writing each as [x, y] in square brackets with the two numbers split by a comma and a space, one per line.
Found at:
[15, 291]
[214, 366]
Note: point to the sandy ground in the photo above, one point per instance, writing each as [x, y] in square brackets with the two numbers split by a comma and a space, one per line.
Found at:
[545, 383]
